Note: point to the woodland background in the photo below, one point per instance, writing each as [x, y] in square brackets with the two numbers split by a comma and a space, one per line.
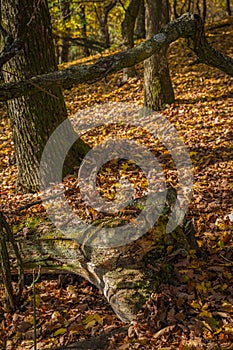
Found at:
[197, 312]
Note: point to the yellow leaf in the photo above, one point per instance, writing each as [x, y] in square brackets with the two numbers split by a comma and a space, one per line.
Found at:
[90, 324]
[169, 249]
[91, 320]
[60, 331]
[205, 313]
[207, 326]
[38, 300]
[196, 304]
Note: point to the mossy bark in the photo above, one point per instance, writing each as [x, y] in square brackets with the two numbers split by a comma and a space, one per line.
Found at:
[33, 118]
[158, 89]
[187, 26]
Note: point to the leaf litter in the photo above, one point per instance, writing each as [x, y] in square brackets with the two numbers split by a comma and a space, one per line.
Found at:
[197, 313]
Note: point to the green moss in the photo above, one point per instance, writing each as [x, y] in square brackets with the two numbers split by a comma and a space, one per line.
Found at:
[30, 223]
[38, 228]
[156, 88]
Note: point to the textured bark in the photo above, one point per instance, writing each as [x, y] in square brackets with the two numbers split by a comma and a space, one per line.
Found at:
[187, 26]
[33, 118]
[126, 274]
[158, 89]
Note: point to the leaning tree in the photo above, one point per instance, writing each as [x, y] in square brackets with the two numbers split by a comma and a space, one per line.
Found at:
[125, 273]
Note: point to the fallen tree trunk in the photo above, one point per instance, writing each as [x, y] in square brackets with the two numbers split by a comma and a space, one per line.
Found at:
[187, 26]
[127, 274]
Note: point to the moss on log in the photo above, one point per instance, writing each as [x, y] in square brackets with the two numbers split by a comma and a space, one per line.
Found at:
[127, 274]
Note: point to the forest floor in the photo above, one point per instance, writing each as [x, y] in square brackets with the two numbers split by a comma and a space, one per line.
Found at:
[197, 313]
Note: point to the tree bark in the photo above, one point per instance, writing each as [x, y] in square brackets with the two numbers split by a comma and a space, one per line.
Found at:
[103, 21]
[7, 237]
[127, 28]
[125, 274]
[82, 16]
[158, 90]
[34, 118]
[174, 13]
[140, 26]
[187, 26]
[204, 10]
[228, 7]
[66, 16]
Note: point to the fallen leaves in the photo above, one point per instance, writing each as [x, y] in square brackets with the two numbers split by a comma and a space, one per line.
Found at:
[197, 313]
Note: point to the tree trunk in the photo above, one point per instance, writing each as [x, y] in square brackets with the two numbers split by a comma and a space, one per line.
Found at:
[187, 26]
[191, 5]
[126, 274]
[158, 89]
[228, 7]
[140, 27]
[34, 118]
[127, 28]
[65, 10]
[103, 21]
[204, 10]
[7, 238]
[174, 13]
[82, 16]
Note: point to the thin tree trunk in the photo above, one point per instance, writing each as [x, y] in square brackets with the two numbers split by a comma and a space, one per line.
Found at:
[33, 119]
[228, 7]
[66, 16]
[174, 9]
[190, 7]
[7, 238]
[107, 10]
[140, 27]
[127, 26]
[204, 10]
[158, 89]
[82, 16]
[187, 26]
[103, 21]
